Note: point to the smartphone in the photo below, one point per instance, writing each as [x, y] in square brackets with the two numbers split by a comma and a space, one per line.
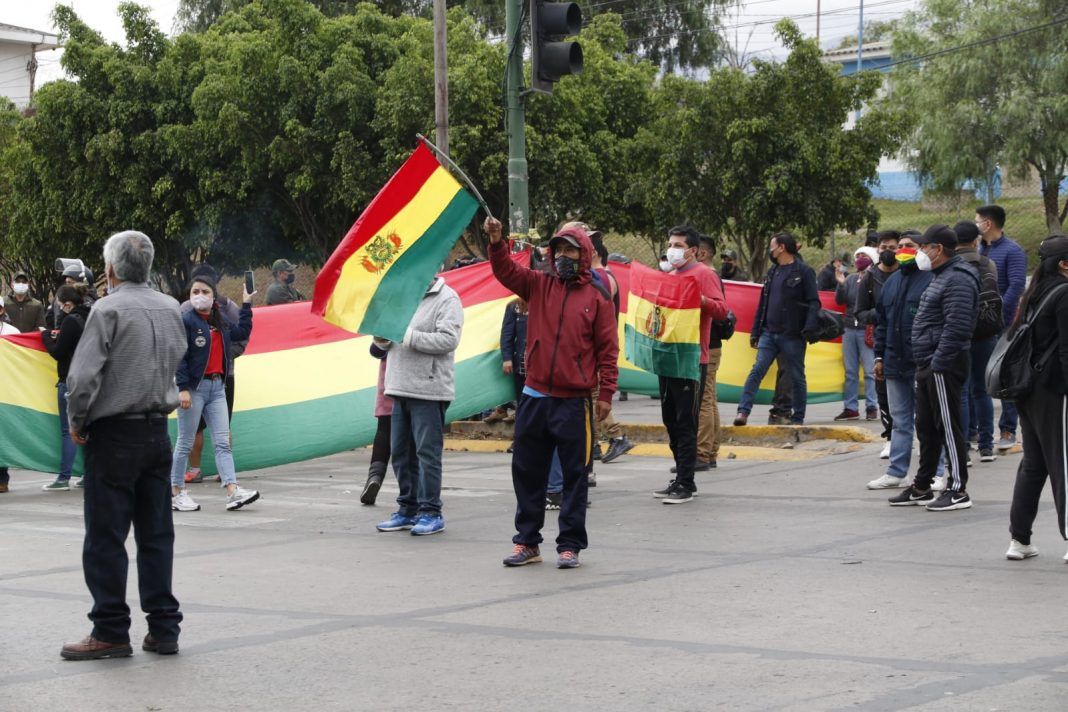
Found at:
[250, 282]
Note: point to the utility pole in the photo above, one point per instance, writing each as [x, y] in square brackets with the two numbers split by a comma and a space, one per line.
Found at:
[817, 22]
[860, 48]
[515, 120]
[441, 79]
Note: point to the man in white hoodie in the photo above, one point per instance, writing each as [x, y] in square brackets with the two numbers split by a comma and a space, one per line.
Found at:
[419, 378]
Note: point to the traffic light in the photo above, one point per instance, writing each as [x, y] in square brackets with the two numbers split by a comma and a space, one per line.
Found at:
[551, 22]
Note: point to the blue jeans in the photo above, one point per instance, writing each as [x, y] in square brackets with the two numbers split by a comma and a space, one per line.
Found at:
[1009, 417]
[209, 400]
[901, 394]
[69, 447]
[417, 441]
[770, 346]
[977, 407]
[855, 353]
[556, 474]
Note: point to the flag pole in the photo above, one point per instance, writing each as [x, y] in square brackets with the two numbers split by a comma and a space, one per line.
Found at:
[444, 156]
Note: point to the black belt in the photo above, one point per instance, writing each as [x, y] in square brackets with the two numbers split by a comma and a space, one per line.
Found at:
[150, 415]
[213, 376]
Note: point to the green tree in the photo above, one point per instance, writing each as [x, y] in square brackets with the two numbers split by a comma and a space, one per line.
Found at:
[748, 155]
[992, 108]
[874, 31]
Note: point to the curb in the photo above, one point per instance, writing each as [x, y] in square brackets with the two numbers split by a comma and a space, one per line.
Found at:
[727, 452]
[755, 435]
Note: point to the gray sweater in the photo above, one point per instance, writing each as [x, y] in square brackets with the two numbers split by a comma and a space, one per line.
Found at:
[127, 357]
[421, 366]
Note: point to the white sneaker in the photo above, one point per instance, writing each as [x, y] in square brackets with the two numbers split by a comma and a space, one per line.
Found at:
[182, 502]
[886, 482]
[939, 484]
[241, 497]
[1066, 558]
[885, 454]
[1018, 551]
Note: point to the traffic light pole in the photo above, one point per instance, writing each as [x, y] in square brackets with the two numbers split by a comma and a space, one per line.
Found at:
[518, 208]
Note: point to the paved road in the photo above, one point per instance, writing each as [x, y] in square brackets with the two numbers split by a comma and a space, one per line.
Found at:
[781, 587]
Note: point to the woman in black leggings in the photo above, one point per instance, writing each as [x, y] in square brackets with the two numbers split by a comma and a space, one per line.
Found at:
[380, 450]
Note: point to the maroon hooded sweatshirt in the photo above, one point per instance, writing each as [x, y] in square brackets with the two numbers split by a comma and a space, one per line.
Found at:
[571, 327]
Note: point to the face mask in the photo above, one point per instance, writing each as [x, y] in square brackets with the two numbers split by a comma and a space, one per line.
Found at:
[863, 262]
[772, 257]
[887, 258]
[665, 266]
[566, 267]
[290, 278]
[676, 255]
[923, 261]
[905, 255]
[20, 288]
[201, 302]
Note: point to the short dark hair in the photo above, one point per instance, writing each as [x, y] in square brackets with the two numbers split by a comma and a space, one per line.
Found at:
[71, 293]
[788, 241]
[599, 248]
[889, 235]
[693, 238]
[994, 213]
[709, 242]
[871, 239]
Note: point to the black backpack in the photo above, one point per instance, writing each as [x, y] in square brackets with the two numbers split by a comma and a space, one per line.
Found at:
[990, 319]
[724, 328]
[1012, 370]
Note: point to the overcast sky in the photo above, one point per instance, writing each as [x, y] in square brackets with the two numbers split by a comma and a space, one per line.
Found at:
[750, 27]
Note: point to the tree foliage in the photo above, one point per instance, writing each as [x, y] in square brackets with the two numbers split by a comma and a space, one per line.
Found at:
[749, 155]
[998, 107]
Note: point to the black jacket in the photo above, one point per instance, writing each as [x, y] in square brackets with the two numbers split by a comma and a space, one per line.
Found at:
[899, 300]
[797, 303]
[1052, 326]
[946, 317]
[62, 346]
[868, 294]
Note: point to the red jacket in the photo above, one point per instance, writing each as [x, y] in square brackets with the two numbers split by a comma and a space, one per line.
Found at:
[571, 327]
[714, 306]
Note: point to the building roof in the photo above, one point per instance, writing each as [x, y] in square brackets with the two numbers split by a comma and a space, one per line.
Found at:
[25, 35]
[875, 50]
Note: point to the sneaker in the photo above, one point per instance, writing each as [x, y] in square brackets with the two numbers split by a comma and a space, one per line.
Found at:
[950, 500]
[509, 419]
[872, 413]
[522, 555]
[909, 496]
[495, 417]
[1007, 440]
[987, 455]
[886, 482]
[79, 482]
[1066, 557]
[240, 498]
[428, 524]
[848, 414]
[777, 420]
[182, 502]
[597, 451]
[57, 486]
[159, 647]
[885, 454]
[552, 500]
[193, 476]
[678, 495]
[741, 419]
[618, 446]
[396, 522]
[938, 484]
[591, 479]
[1019, 552]
[661, 493]
[568, 560]
[370, 489]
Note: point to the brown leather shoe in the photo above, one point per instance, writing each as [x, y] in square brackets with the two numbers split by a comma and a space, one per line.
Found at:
[161, 647]
[3, 488]
[741, 419]
[93, 649]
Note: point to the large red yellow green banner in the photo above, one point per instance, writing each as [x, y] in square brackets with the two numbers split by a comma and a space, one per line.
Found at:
[305, 388]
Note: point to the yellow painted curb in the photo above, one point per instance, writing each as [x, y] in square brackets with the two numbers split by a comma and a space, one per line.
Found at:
[740, 452]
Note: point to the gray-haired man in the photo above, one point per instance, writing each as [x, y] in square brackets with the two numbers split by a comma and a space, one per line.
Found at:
[121, 388]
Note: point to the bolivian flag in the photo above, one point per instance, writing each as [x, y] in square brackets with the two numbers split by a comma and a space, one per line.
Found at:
[373, 282]
[663, 327]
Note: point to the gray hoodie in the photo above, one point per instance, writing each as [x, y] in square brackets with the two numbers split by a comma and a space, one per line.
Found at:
[421, 366]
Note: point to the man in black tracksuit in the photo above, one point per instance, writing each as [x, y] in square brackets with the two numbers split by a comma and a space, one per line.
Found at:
[941, 343]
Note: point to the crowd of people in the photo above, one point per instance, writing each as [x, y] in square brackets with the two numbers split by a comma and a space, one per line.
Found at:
[923, 312]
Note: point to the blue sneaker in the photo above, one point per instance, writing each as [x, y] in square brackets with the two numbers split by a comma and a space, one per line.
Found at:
[396, 522]
[428, 524]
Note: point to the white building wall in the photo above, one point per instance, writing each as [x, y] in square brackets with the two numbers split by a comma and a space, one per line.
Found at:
[14, 77]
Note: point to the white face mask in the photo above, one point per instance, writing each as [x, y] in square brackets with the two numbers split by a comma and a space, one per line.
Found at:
[665, 266]
[201, 302]
[676, 255]
[20, 288]
[923, 262]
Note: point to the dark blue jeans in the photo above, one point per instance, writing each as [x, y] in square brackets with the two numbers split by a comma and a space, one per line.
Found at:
[417, 440]
[770, 346]
[69, 448]
[977, 407]
[127, 481]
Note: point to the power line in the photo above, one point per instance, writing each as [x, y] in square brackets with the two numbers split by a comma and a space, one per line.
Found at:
[978, 43]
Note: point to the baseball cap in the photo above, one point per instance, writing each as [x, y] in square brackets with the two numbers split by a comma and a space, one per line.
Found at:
[283, 265]
[20, 274]
[938, 234]
[1054, 246]
[967, 231]
[594, 235]
[569, 233]
[730, 255]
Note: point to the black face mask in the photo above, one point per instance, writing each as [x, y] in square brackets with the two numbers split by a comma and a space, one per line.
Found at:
[566, 267]
[729, 268]
[290, 278]
[888, 258]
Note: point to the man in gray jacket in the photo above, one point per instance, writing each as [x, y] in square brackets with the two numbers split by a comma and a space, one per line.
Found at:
[121, 386]
[419, 378]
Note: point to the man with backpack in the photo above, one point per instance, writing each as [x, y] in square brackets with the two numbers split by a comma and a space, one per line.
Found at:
[941, 342]
[708, 425]
[977, 414]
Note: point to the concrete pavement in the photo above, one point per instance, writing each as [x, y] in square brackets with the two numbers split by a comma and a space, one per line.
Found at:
[783, 586]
